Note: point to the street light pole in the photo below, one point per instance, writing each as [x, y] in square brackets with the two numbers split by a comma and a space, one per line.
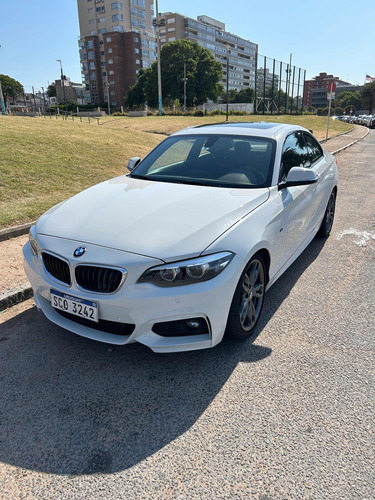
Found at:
[62, 83]
[227, 106]
[184, 80]
[160, 99]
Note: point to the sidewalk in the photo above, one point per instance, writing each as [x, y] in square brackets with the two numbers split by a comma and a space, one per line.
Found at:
[13, 282]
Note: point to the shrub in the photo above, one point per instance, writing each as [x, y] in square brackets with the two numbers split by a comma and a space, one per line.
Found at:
[198, 112]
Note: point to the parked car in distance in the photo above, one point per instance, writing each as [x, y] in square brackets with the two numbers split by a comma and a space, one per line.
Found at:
[181, 251]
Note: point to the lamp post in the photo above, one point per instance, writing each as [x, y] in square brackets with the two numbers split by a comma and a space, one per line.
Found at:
[62, 83]
[227, 106]
[157, 25]
[109, 104]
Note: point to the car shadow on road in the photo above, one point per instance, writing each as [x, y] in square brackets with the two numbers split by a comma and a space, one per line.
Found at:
[73, 406]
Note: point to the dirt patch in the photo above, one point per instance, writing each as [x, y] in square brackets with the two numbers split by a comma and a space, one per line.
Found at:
[12, 274]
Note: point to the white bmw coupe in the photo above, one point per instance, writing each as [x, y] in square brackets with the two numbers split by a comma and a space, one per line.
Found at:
[180, 251]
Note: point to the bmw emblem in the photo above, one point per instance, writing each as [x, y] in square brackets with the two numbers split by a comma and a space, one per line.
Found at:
[79, 251]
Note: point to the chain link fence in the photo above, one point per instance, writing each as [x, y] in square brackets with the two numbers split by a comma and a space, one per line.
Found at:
[279, 87]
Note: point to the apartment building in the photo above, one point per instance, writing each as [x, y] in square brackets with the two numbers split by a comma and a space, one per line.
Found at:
[315, 91]
[210, 34]
[116, 41]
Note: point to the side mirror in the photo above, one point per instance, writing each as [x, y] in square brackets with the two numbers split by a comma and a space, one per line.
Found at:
[299, 176]
[133, 162]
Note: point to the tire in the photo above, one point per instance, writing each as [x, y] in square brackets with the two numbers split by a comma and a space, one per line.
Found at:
[327, 222]
[247, 301]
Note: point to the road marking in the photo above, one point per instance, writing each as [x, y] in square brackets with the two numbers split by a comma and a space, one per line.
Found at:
[362, 237]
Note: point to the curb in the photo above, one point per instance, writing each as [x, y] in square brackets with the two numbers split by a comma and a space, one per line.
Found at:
[13, 232]
[15, 296]
[351, 144]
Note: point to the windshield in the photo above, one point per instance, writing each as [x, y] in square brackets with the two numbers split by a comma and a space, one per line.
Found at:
[211, 160]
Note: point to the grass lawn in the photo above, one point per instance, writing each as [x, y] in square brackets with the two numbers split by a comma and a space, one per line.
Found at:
[44, 161]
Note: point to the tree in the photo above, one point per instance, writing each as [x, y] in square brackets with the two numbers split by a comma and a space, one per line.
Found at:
[202, 71]
[346, 99]
[11, 87]
[368, 97]
[234, 96]
[51, 90]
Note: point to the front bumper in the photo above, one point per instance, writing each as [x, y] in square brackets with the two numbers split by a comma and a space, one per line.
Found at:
[141, 305]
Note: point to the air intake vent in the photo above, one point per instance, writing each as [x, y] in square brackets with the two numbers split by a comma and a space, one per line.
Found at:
[57, 268]
[98, 279]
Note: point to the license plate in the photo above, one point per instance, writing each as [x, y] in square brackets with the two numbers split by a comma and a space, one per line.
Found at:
[74, 305]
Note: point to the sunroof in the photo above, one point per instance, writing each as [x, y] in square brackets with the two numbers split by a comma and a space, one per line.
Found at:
[259, 125]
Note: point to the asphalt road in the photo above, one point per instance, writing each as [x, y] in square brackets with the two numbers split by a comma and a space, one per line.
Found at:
[291, 416]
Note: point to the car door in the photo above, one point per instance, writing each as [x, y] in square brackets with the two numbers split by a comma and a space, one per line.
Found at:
[296, 200]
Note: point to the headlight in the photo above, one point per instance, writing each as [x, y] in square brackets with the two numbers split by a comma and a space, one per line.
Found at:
[33, 240]
[187, 272]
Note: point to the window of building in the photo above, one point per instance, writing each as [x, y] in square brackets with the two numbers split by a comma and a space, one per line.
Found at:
[92, 32]
[116, 6]
[90, 54]
[102, 31]
[118, 28]
[145, 53]
[83, 56]
[137, 61]
[136, 39]
[141, 3]
[134, 22]
[84, 66]
[112, 82]
[108, 39]
[136, 50]
[142, 25]
[171, 39]
[104, 73]
[113, 92]
[171, 29]
[109, 51]
[111, 72]
[141, 13]
[101, 20]
[93, 75]
[113, 103]
[95, 96]
[93, 86]
[92, 65]
[117, 17]
[91, 21]
[110, 61]
[90, 44]
[90, 10]
[100, 10]
[171, 20]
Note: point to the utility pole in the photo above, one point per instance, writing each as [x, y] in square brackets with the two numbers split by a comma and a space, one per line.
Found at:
[158, 24]
[63, 86]
[184, 80]
[227, 106]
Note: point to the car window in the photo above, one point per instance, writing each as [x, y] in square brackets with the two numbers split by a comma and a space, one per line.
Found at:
[212, 160]
[295, 154]
[314, 148]
[177, 153]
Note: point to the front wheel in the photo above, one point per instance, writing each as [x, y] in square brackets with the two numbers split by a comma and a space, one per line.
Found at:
[247, 301]
[327, 222]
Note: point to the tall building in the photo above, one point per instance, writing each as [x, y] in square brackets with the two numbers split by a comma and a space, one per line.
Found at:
[315, 92]
[211, 34]
[116, 41]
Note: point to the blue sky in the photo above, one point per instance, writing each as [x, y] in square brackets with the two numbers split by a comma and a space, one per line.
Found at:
[335, 37]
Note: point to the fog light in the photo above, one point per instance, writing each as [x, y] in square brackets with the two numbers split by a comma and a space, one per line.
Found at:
[192, 324]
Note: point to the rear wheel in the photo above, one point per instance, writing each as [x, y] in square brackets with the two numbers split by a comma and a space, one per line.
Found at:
[247, 301]
[327, 222]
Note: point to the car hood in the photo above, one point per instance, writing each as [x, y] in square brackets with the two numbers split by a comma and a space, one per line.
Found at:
[156, 219]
